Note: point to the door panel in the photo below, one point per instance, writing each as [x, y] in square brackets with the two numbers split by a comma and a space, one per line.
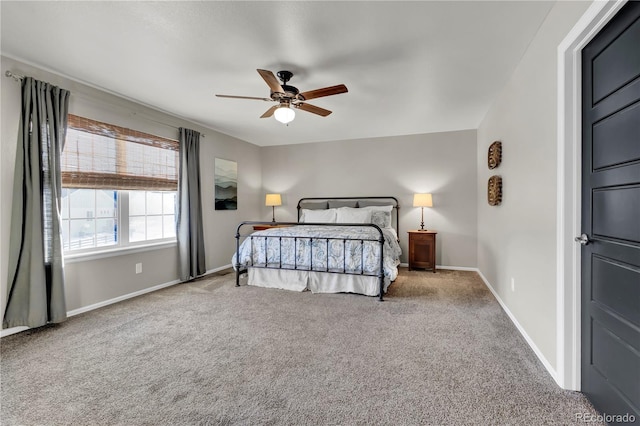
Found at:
[612, 358]
[623, 98]
[616, 213]
[611, 215]
[617, 64]
[615, 285]
[615, 139]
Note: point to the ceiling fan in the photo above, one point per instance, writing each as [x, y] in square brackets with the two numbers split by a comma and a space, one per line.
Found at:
[289, 97]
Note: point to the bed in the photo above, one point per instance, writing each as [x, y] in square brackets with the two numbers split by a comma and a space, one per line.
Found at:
[338, 245]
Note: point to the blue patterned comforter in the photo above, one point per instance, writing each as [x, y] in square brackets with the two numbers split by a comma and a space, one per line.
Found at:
[322, 248]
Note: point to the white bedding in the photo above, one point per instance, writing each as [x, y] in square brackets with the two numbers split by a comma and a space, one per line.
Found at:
[316, 282]
[295, 256]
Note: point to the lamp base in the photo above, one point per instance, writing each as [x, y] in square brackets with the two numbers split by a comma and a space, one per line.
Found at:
[422, 230]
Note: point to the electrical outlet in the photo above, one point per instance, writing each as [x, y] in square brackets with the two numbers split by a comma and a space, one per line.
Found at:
[138, 268]
[513, 284]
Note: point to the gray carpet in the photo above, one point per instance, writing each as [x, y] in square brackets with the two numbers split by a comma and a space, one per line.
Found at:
[438, 351]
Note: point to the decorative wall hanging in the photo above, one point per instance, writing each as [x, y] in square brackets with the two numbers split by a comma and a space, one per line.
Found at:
[226, 184]
[495, 155]
[494, 190]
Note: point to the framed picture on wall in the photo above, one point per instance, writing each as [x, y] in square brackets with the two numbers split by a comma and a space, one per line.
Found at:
[226, 184]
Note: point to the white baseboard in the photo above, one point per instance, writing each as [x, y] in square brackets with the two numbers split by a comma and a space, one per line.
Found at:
[221, 268]
[513, 319]
[524, 334]
[14, 330]
[121, 298]
[452, 268]
[457, 268]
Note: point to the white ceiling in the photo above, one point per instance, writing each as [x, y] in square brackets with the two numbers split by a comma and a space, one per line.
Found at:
[410, 67]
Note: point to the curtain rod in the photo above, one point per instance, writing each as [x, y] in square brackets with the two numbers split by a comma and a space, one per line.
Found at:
[135, 114]
[18, 77]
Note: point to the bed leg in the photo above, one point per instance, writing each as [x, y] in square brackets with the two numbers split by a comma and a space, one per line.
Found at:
[237, 257]
[381, 271]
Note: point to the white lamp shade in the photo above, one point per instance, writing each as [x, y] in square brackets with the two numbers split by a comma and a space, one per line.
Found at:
[422, 200]
[284, 114]
[273, 200]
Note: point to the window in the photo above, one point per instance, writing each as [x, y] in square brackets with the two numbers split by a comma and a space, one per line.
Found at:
[151, 215]
[89, 218]
[119, 186]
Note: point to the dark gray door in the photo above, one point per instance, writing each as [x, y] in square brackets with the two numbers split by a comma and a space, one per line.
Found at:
[611, 217]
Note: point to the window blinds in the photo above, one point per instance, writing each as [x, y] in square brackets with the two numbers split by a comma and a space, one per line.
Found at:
[103, 156]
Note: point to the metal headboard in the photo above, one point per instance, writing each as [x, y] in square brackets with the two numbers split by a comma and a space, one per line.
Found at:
[392, 200]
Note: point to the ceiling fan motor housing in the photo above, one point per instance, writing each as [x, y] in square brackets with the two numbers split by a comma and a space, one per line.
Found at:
[290, 92]
[285, 76]
[290, 89]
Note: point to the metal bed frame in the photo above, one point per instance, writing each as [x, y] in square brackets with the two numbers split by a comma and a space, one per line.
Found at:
[278, 265]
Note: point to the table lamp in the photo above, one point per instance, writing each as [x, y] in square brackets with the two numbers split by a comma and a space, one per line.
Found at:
[273, 200]
[422, 201]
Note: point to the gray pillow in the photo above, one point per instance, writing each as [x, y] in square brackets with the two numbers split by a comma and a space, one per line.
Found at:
[367, 203]
[382, 219]
[314, 205]
[334, 204]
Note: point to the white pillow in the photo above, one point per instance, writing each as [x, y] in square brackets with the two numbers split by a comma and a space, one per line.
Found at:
[318, 216]
[353, 215]
[302, 213]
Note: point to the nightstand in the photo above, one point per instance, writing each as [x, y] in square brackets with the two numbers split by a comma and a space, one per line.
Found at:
[422, 250]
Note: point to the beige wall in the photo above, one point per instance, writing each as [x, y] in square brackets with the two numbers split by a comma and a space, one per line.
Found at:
[517, 240]
[95, 281]
[441, 163]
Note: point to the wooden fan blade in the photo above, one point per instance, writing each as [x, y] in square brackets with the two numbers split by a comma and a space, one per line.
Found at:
[245, 97]
[314, 109]
[271, 80]
[270, 111]
[326, 91]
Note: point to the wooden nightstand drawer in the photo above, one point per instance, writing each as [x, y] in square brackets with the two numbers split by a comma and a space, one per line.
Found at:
[263, 227]
[421, 236]
[422, 250]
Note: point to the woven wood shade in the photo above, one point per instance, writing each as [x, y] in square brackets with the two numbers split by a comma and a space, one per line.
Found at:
[103, 156]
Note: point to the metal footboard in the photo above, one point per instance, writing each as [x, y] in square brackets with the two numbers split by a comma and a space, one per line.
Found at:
[264, 239]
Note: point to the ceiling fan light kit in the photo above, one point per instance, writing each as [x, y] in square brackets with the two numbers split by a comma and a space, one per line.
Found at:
[289, 97]
[284, 114]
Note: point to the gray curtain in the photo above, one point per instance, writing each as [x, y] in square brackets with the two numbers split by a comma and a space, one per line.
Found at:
[189, 223]
[36, 272]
